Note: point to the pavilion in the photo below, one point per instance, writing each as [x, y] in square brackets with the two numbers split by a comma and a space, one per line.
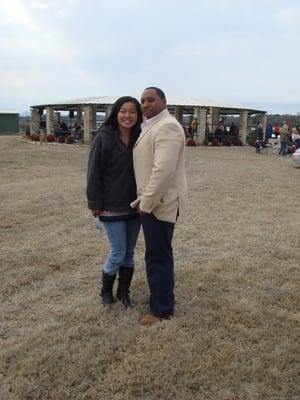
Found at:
[208, 113]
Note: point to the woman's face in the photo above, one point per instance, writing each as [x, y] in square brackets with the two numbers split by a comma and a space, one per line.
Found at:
[127, 115]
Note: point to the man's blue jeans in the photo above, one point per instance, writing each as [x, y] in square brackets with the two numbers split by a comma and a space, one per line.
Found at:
[122, 237]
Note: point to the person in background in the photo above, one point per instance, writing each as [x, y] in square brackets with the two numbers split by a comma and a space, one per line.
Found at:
[64, 127]
[78, 131]
[277, 130]
[269, 132]
[194, 126]
[296, 137]
[259, 132]
[158, 157]
[111, 188]
[259, 137]
[284, 139]
[232, 129]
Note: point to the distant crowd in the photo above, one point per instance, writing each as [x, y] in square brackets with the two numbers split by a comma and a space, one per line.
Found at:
[222, 130]
[286, 134]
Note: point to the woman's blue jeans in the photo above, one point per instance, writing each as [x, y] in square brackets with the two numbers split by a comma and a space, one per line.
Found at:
[122, 237]
[283, 147]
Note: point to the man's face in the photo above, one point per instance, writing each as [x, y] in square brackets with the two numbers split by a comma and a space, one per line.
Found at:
[151, 103]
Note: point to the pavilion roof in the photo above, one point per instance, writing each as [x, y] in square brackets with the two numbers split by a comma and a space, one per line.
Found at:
[184, 102]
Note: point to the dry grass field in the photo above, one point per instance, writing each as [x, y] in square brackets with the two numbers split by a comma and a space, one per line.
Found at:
[236, 331]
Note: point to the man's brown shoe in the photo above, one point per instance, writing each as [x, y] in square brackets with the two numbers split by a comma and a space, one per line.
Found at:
[149, 320]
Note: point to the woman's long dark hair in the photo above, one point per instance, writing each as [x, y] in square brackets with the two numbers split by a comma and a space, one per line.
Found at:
[112, 119]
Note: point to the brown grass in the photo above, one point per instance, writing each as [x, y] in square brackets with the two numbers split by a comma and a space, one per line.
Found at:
[235, 334]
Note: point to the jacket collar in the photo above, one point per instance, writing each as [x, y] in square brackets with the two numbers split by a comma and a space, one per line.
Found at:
[147, 125]
[115, 136]
[157, 117]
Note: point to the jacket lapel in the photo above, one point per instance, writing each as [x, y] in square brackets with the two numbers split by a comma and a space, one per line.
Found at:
[144, 131]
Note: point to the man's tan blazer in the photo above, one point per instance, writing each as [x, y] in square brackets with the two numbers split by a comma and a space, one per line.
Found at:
[158, 157]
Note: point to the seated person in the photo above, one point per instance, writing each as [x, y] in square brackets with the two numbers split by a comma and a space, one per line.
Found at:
[220, 133]
[64, 127]
[296, 137]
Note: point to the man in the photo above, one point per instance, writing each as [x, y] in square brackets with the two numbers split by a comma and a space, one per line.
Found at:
[269, 132]
[158, 157]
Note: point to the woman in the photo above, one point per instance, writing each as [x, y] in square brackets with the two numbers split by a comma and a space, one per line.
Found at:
[111, 188]
[284, 138]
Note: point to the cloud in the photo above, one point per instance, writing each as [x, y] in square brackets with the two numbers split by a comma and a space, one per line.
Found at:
[14, 12]
[218, 49]
[38, 4]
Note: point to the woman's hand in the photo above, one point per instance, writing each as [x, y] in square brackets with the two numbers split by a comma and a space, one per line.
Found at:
[95, 213]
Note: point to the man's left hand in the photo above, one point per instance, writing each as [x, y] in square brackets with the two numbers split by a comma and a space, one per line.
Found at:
[142, 213]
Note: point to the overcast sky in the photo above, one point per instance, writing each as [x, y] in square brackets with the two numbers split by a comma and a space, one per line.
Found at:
[241, 52]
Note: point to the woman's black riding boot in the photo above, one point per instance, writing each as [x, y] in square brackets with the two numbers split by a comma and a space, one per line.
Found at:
[107, 287]
[125, 277]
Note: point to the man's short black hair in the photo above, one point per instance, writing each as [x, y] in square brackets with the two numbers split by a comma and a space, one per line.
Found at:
[158, 91]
